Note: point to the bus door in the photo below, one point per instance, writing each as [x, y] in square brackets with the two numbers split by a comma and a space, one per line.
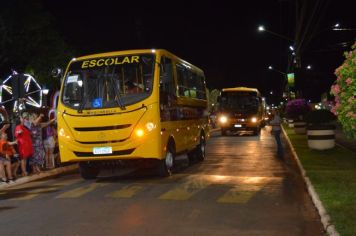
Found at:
[168, 101]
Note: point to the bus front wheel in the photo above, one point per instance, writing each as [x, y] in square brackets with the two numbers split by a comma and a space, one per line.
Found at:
[88, 170]
[201, 148]
[223, 132]
[165, 166]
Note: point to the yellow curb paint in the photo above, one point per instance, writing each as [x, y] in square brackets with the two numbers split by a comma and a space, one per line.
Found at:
[185, 190]
[78, 192]
[126, 192]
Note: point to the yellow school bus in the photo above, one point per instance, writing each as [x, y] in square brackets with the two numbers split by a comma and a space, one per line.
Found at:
[135, 107]
[241, 109]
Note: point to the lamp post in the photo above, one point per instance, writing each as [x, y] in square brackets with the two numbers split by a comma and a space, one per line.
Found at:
[45, 93]
[285, 77]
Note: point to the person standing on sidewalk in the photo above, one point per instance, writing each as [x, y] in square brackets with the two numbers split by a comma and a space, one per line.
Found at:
[276, 131]
[38, 158]
[24, 141]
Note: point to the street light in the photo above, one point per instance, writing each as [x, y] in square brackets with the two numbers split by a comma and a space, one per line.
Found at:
[261, 28]
[337, 26]
[309, 67]
[271, 68]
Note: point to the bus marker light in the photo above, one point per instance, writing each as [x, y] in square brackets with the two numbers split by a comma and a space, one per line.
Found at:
[139, 132]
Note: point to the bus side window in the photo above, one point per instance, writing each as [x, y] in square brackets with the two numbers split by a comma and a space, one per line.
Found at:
[167, 87]
[182, 83]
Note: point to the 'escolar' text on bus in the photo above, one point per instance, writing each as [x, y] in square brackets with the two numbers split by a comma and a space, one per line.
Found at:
[109, 61]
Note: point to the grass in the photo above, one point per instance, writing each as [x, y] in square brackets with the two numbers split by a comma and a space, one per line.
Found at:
[333, 175]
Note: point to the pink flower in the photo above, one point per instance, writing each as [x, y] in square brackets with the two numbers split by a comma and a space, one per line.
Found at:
[348, 81]
[335, 89]
[333, 110]
[338, 78]
[338, 70]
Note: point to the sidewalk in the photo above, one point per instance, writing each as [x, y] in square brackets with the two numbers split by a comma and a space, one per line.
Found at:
[42, 175]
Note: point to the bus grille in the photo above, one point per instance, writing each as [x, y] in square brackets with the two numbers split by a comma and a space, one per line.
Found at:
[112, 127]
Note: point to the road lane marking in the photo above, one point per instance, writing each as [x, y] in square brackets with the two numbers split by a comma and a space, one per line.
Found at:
[28, 195]
[243, 192]
[126, 192]
[78, 192]
[185, 190]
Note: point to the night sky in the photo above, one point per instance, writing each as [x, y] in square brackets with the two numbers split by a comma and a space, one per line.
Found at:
[218, 36]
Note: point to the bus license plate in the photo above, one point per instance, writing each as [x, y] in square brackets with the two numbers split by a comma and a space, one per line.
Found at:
[238, 126]
[102, 150]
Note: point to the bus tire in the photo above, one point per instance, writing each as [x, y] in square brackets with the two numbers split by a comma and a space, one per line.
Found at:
[257, 131]
[223, 132]
[165, 166]
[201, 148]
[88, 170]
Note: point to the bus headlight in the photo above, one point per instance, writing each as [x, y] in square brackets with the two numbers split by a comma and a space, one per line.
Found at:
[254, 119]
[140, 132]
[222, 119]
[150, 126]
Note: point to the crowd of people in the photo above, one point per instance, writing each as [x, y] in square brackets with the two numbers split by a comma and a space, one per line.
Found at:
[34, 148]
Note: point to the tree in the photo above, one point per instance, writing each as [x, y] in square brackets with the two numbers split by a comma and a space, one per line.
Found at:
[28, 41]
[213, 98]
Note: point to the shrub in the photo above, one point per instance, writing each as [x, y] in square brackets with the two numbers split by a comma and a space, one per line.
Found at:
[320, 117]
[344, 90]
[296, 109]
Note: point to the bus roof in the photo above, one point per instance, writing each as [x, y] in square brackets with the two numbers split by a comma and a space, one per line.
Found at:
[136, 51]
[241, 89]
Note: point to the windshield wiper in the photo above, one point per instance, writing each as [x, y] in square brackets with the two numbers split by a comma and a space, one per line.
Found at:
[117, 95]
[84, 101]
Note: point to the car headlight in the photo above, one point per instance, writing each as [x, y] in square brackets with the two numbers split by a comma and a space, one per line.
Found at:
[254, 119]
[223, 119]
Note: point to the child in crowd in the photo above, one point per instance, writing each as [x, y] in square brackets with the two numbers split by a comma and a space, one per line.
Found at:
[49, 145]
[5, 163]
[8, 151]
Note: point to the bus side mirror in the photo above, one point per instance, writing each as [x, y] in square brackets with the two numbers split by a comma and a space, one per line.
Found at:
[57, 73]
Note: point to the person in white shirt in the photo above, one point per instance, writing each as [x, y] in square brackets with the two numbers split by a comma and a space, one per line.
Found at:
[276, 131]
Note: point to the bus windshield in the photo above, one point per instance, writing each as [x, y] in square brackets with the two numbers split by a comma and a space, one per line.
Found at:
[108, 82]
[240, 102]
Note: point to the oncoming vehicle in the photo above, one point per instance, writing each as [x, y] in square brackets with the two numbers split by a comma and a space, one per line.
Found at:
[135, 108]
[241, 109]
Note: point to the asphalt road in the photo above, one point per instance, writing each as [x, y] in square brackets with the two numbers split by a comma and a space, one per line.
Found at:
[240, 189]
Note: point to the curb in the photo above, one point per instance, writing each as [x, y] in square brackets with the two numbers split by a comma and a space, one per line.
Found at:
[325, 218]
[42, 175]
[214, 130]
